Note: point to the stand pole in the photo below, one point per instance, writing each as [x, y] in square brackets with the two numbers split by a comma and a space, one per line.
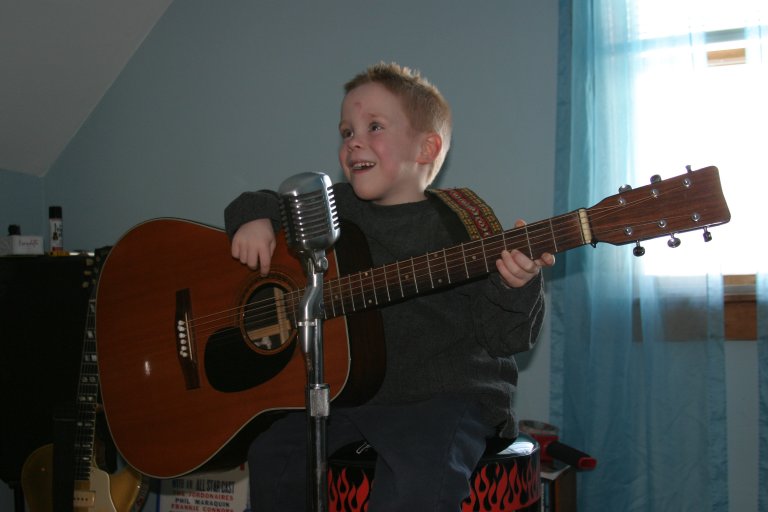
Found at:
[317, 392]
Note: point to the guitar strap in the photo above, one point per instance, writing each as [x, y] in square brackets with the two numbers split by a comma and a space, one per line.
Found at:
[478, 218]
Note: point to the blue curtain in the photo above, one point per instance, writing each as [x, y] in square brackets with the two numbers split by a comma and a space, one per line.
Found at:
[762, 370]
[637, 362]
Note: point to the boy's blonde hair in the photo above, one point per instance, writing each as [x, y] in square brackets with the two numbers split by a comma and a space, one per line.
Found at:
[423, 103]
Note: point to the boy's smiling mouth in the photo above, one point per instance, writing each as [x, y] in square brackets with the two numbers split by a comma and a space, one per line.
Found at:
[361, 166]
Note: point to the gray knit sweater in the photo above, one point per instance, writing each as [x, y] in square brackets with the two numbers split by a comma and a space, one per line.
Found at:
[460, 341]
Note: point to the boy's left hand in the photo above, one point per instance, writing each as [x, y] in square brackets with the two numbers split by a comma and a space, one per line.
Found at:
[516, 269]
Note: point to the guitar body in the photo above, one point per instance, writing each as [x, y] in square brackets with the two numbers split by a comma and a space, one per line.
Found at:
[186, 368]
[37, 479]
[102, 493]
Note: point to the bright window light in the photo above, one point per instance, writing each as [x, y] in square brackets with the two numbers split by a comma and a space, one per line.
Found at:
[703, 100]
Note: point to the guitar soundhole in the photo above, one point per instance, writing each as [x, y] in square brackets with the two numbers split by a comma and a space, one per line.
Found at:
[266, 319]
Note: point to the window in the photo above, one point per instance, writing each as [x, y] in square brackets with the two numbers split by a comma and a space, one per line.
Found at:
[701, 98]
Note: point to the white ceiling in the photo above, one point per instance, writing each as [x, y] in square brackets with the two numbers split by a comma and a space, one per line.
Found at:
[57, 59]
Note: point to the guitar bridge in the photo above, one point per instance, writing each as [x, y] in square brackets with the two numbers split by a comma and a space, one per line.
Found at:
[185, 346]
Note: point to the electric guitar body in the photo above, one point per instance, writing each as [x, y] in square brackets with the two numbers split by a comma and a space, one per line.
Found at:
[103, 492]
[92, 489]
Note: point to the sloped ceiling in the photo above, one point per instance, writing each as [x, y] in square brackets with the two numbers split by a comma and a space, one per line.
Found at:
[57, 59]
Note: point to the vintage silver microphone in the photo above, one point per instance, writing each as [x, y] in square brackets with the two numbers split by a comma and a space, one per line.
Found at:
[308, 210]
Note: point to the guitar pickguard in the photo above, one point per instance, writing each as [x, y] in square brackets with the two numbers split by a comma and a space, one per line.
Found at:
[231, 366]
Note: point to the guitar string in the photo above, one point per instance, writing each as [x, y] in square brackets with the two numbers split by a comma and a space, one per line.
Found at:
[421, 267]
[533, 235]
[352, 289]
[418, 267]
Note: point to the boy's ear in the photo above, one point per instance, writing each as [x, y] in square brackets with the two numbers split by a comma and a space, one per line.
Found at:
[431, 145]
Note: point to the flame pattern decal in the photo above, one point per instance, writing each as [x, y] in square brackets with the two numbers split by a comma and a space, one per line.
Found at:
[512, 484]
[348, 489]
[501, 487]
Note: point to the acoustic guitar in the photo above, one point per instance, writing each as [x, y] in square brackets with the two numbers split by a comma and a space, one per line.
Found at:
[195, 350]
[93, 489]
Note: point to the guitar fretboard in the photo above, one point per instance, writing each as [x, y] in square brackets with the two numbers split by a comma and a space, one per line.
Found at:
[87, 396]
[422, 274]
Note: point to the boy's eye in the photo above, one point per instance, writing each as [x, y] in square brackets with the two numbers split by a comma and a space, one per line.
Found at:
[345, 133]
[376, 127]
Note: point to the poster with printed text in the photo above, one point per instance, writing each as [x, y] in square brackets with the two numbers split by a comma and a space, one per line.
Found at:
[220, 491]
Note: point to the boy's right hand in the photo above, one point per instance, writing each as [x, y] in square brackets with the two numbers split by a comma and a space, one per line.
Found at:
[253, 244]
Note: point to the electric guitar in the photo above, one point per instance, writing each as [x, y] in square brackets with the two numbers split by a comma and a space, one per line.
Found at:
[195, 349]
[94, 489]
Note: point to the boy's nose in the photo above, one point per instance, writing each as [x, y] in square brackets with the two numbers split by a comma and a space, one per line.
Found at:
[353, 142]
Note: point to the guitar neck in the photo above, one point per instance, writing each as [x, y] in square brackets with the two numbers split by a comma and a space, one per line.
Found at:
[87, 396]
[447, 267]
[693, 200]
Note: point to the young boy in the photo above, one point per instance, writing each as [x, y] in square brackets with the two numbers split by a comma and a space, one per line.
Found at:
[450, 371]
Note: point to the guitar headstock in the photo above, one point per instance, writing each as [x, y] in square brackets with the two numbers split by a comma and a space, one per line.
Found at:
[691, 201]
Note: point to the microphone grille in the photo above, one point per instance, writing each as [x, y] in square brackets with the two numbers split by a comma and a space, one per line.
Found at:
[308, 208]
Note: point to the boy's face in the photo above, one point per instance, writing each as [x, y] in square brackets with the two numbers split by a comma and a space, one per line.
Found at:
[380, 153]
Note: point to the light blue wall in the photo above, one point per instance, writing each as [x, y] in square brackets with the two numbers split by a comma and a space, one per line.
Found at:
[229, 96]
[21, 200]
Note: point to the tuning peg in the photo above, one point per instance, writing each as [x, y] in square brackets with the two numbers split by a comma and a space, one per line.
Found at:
[625, 188]
[673, 242]
[688, 168]
[707, 235]
[655, 178]
[638, 250]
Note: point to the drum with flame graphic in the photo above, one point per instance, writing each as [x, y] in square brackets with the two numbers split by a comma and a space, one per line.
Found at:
[505, 480]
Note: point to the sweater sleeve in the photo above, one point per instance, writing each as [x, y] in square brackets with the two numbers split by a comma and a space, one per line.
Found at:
[250, 206]
[508, 320]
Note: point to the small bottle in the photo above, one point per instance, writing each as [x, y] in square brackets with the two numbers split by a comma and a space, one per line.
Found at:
[56, 230]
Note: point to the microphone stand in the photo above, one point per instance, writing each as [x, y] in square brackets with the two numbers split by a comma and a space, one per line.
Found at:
[310, 325]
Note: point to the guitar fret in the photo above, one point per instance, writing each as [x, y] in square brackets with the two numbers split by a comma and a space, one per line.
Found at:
[552, 232]
[424, 278]
[386, 284]
[464, 259]
[351, 293]
[378, 286]
[407, 279]
[429, 273]
[346, 293]
[447, 268]
[362, 288]
[541, 243]
[373, 288]
[452, 260]
[415, 277]
[440, 271]
[342, 298]
[473, 259]
[340, 295]
[528, 242]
